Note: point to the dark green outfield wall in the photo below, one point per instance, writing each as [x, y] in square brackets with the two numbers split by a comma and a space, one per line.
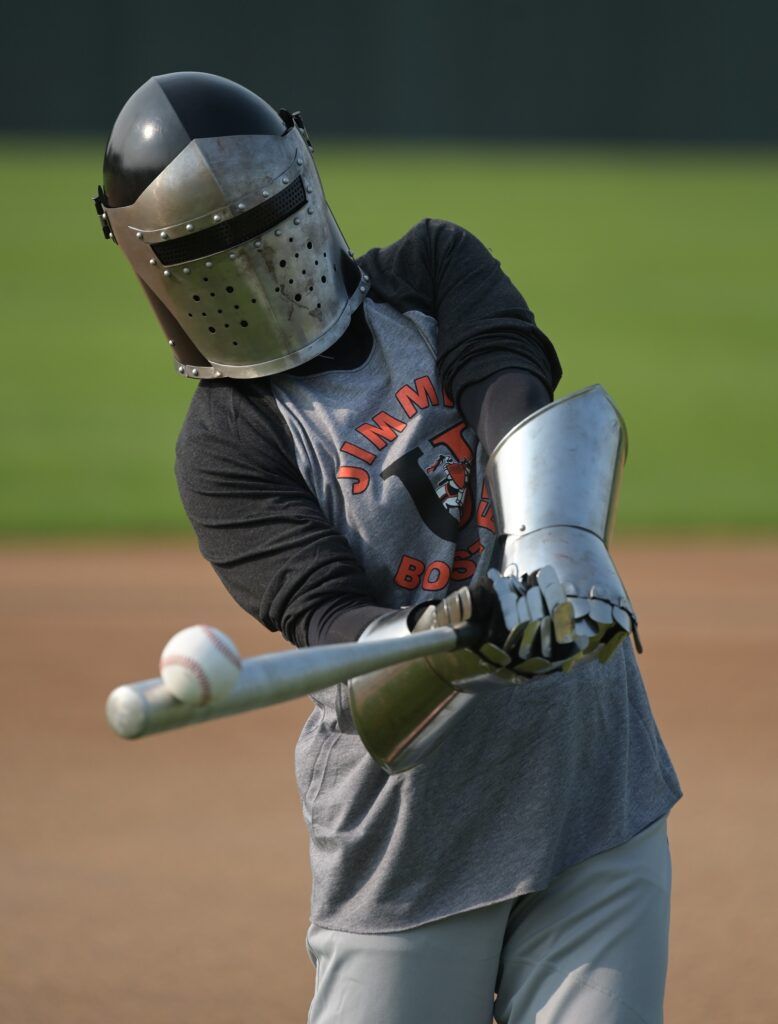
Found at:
[688, 70]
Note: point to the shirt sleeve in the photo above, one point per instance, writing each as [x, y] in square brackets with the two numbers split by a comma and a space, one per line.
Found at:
[258, 524]
[484, 323]
[495, 405]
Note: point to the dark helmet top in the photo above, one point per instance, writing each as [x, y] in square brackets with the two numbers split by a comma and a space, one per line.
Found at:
[214, 198]
[162, 117]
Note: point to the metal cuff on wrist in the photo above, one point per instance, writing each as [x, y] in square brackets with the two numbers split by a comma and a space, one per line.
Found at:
[402, 712]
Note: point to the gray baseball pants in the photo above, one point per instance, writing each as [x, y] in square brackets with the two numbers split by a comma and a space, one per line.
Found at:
[590, 949]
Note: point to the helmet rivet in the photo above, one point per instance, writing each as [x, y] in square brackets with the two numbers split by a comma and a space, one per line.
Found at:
[241, 206]
[208, 264]
[265, 193]
[217, 373]
[190, 227]
[277, 232]
[284, 180]
[309, 189]
[110, 234]
[186, 270]
[194, 372]
[103, 216]
[257, 244]
[153, 263]
[365, 277]
[310, 209]
[166, 273]
[163, 234]
[362, 289]
[170, 342]
[139, 234]
[299, 161]
[233, 255]
[217, 216]
[181, 369]
[297, 220]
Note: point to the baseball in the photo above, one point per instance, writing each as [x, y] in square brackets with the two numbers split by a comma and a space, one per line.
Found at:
[199, 664]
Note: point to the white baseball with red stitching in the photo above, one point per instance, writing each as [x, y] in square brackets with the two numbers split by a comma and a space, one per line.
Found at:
[199, 664]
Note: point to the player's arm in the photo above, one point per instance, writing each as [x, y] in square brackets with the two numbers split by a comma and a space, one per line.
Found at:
[494, 361]
[496, 364]
[564, 598]
[258, 524]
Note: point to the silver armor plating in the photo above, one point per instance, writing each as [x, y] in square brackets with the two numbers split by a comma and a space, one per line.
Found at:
[403, 711]
[554, 480]
[266, 302]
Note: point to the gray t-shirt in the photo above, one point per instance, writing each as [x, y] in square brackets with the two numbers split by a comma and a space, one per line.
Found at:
[342, 487]
[533, 780]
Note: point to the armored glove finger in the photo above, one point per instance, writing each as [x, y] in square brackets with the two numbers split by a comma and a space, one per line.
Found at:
[550, 627]
[601, 624]
[540, 617]
[477, 604]
[534, 624]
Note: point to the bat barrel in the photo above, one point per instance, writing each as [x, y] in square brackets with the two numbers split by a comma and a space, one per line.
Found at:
[138, 709]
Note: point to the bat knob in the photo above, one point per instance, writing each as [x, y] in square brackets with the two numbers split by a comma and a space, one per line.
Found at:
[125, 710]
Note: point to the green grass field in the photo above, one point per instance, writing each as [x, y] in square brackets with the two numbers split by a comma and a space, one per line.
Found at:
[653, 271]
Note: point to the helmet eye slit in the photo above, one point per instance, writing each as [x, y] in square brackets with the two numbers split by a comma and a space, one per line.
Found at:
[229, 233]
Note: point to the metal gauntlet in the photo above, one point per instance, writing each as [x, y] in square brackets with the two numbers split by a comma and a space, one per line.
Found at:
[403, 711]
[554, 480]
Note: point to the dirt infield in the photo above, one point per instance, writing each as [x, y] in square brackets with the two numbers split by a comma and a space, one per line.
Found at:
[166, 880]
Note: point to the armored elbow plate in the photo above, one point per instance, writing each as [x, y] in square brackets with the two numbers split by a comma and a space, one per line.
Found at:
[554, 480]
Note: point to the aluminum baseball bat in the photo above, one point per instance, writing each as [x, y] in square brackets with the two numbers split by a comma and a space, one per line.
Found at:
[138, 709]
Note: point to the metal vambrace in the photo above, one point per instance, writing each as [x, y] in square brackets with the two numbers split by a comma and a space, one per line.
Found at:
[403, 711]
[554, 480]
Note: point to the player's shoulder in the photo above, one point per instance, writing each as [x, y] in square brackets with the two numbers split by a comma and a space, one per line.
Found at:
[221, 414]
[444, 231]
[211, 408]
[420, 241]
[428, 230]
[406, 273]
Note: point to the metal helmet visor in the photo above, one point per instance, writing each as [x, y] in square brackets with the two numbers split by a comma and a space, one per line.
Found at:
[235, 239]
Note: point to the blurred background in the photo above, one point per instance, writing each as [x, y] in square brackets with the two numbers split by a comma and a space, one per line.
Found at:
[619, 159]
[621, 162]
